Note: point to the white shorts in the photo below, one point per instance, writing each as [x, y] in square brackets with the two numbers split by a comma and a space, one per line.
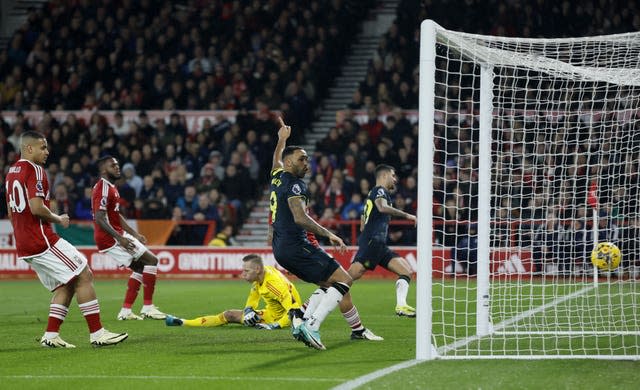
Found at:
[58, 264]
[123, 256]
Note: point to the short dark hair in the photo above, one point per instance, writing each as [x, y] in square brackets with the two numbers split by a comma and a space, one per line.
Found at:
[30, 135]
[289, 150]
[381, 168]
[102, 160]
[253, 257]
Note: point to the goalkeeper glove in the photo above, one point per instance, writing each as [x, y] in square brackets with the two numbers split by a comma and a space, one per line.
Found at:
[271, 326]
[250, 317]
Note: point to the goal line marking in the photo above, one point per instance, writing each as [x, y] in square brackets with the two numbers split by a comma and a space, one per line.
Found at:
[352, 384]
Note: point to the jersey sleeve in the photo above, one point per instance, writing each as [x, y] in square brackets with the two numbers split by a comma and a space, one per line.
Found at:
[35, 182]
[281, 290]
[297, 188]
[276, 172]
[99, 197]
[380, 193]
[279, 287]
[254, 298]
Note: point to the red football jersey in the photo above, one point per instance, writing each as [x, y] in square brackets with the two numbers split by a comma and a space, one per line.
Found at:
[105, 197]
[24, 181]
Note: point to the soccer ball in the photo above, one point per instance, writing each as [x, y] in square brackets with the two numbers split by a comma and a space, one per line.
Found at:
[606, 256]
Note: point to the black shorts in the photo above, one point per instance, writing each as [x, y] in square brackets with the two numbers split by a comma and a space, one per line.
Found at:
[308, 262]
[374, 253]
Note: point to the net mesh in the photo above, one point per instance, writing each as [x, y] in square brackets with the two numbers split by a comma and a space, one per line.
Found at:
[565, 156]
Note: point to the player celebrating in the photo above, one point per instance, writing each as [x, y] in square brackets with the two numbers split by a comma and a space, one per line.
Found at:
[372, 247]
[60, 267]
[114, 236]
[278, 293]
[291, 246]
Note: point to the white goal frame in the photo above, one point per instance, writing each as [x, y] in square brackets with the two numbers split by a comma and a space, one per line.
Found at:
[425, 349]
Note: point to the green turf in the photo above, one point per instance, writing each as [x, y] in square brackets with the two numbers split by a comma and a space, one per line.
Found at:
[156, 356]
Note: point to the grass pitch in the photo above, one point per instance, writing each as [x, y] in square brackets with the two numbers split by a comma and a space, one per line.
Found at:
[159, 357]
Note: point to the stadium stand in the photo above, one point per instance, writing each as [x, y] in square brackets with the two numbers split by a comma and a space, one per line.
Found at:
[254, 58]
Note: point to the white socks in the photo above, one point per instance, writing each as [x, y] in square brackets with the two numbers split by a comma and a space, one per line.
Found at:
[402, 289]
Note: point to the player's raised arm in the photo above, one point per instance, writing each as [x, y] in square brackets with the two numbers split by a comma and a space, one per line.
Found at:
[283, 134]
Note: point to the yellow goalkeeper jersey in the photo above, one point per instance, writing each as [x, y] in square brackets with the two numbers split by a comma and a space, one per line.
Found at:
[278, 293]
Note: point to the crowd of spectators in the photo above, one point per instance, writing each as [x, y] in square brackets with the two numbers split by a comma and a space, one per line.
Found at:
[196, 55]
[250, 56]
[276, 55]
[547, 177]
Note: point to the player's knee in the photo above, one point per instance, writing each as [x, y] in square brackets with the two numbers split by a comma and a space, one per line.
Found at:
[86, 276]
[152, 260]
[342, 287]
[343, 277]
[136, 266]
[148, 258]
[232, 316]
[356, 271]
[406, 278]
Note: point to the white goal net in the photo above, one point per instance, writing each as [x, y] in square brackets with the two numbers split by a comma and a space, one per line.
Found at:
[529, 156]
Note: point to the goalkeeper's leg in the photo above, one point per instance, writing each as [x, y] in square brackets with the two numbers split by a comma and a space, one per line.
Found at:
[228, 316]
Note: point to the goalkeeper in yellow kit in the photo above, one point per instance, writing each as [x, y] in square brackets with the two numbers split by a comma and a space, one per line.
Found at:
[279, 294]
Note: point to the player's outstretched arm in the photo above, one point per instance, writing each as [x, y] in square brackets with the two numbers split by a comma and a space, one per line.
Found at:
[302, 219]
[283, 134]
[384, 207]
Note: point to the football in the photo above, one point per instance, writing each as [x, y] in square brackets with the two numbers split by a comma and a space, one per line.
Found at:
[606, 256]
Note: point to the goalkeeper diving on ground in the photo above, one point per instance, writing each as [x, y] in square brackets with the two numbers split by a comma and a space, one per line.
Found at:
[280, 296]
[278, 293]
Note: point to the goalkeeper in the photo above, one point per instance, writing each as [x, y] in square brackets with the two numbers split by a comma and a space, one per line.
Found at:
[278, 293]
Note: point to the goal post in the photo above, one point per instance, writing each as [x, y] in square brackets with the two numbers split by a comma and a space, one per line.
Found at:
[529, 155]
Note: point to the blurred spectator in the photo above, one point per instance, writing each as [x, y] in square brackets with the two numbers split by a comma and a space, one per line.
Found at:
[202, 212]
[120, 127]
[548, 244]
[248, 160]
[373, 126]
[83, 205]
[224, 237]
[149, 189]
[234, 186]
[208, 179]
[132, 180]
[63, 202]
[174, 188]
[188, 201]
[215, 159]
[354, 208]
[334, 198]
[466, 252]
